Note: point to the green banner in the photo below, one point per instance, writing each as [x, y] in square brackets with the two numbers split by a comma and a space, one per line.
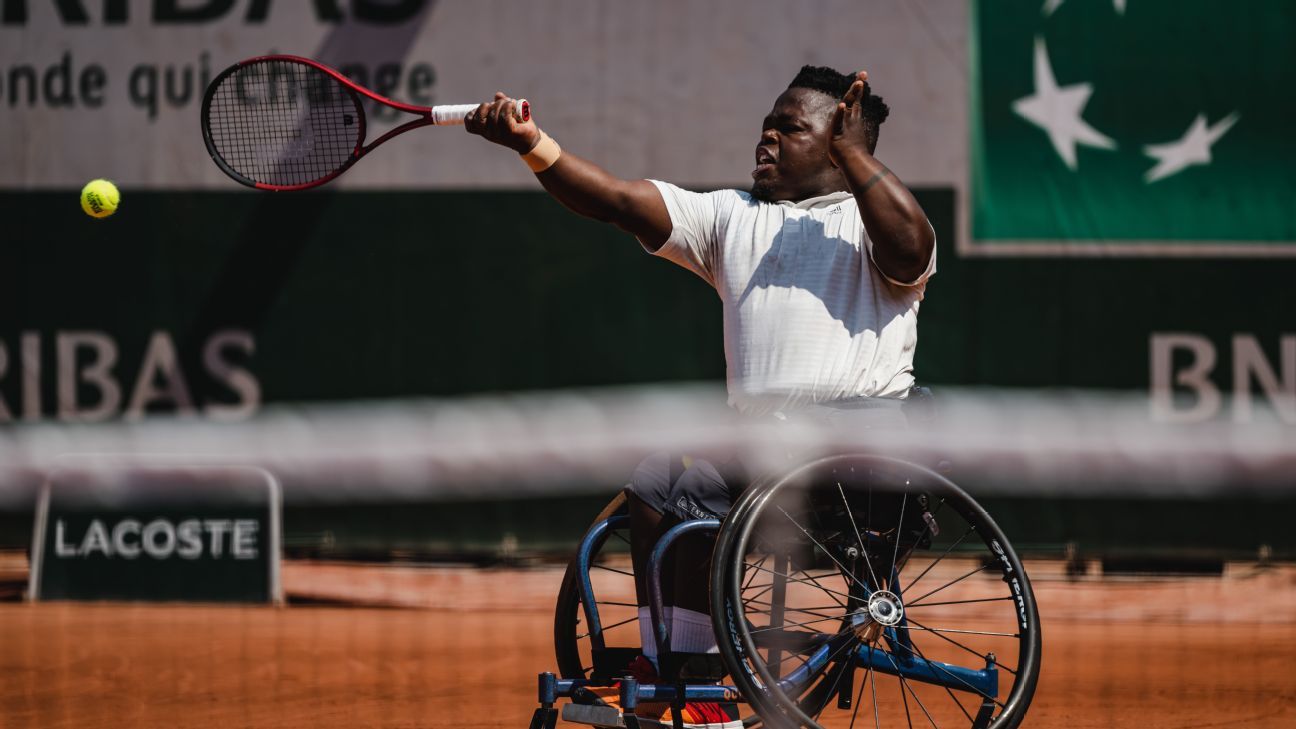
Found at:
[185, 533]
[1143, 127]
[215, 304]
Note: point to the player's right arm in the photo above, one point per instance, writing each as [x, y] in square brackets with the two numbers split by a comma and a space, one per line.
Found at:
[635, 206]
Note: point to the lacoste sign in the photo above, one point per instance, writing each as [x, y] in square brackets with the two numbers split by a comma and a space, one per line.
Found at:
[107, 530]
[160, 539]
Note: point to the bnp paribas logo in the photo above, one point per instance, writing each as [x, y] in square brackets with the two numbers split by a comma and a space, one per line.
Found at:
[1133, 127]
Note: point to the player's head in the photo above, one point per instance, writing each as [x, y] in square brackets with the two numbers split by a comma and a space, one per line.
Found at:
[794, 136]
[836, 84]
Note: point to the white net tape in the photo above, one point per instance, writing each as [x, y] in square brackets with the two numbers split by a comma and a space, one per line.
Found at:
[1005, 441]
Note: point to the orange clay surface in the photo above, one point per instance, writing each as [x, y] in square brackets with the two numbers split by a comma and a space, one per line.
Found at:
[460, 647]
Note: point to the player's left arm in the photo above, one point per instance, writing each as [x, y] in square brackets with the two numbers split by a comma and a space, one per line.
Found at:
[902, 238]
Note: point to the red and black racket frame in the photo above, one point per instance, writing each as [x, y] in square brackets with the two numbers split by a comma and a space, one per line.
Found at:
[361, 149]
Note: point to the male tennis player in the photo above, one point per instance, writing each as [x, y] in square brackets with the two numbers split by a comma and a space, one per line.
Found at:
[820, 269]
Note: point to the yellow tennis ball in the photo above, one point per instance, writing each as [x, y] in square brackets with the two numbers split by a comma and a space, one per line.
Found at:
[99, 198]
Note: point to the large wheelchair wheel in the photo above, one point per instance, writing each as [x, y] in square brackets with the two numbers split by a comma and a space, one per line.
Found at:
[612, 578]
[882, 585]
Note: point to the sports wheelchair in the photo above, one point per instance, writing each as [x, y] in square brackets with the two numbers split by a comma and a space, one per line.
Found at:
[853, 584]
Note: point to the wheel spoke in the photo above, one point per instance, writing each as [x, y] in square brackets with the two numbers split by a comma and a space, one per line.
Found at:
[807, 611]
[927, 525]
[609, 627]
[831, 657]
[960, 645]
[810, 610]
[817, 575]
[941, 557]
[804, 582]
[903, 697]
[826, 638]
[982, 568]
[877, 723]
[821, 587]
[902, 564]
[860, 537]
[795, 625]
[763, 591]
[905, 684]
[752, 577]
[910, 605]
[791, 656]
[611, 569]
[844, 647]
[942, 669]
[959, 704]
[968, 632]
[953, 697]
[822, 547]
[899, 526]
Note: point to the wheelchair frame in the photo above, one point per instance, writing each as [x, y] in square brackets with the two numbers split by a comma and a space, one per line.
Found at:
[900, 659]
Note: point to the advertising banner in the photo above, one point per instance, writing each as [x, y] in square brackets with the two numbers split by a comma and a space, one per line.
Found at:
[1133, 128]
[157, 533]
[1123, 131]
[674, 89]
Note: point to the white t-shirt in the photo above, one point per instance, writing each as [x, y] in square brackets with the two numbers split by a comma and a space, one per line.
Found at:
[808, 317]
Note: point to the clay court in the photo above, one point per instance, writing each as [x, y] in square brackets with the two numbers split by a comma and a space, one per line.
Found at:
[460, 647]
[327, 327]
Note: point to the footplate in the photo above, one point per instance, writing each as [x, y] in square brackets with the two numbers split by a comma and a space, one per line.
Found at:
[601, 716]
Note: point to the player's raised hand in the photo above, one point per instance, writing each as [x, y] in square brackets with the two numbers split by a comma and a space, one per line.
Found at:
[847, 129]
[498, 122]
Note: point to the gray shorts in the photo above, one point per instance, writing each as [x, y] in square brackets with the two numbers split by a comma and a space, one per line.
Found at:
[686, 488]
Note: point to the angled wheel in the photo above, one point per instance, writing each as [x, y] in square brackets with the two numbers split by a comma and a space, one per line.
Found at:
[612, 579]
[868, 589]
[580, 654]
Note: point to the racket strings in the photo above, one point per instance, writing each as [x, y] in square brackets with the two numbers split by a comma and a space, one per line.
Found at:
[284, 123]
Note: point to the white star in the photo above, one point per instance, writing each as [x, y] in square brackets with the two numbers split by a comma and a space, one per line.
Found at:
[1192, 149]
[1051, 5]
[1057, 110]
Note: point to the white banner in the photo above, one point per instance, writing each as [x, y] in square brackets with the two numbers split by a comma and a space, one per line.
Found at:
[673, 90]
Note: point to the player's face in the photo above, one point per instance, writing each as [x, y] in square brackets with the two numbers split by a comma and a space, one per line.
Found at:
[792, 155]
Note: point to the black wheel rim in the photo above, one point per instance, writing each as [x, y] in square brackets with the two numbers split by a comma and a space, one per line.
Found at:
[962, 593]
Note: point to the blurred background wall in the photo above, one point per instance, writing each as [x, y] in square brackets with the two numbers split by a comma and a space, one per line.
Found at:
[1112, 185]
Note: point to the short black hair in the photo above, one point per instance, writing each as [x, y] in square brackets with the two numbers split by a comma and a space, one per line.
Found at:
[834, 83]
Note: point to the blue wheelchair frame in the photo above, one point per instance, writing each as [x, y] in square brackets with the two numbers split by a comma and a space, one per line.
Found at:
[901, 660]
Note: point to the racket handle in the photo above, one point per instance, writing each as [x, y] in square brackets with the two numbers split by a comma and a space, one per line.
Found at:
[455, 113]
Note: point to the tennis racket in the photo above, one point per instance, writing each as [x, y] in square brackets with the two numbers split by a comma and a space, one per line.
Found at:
[290, 123]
